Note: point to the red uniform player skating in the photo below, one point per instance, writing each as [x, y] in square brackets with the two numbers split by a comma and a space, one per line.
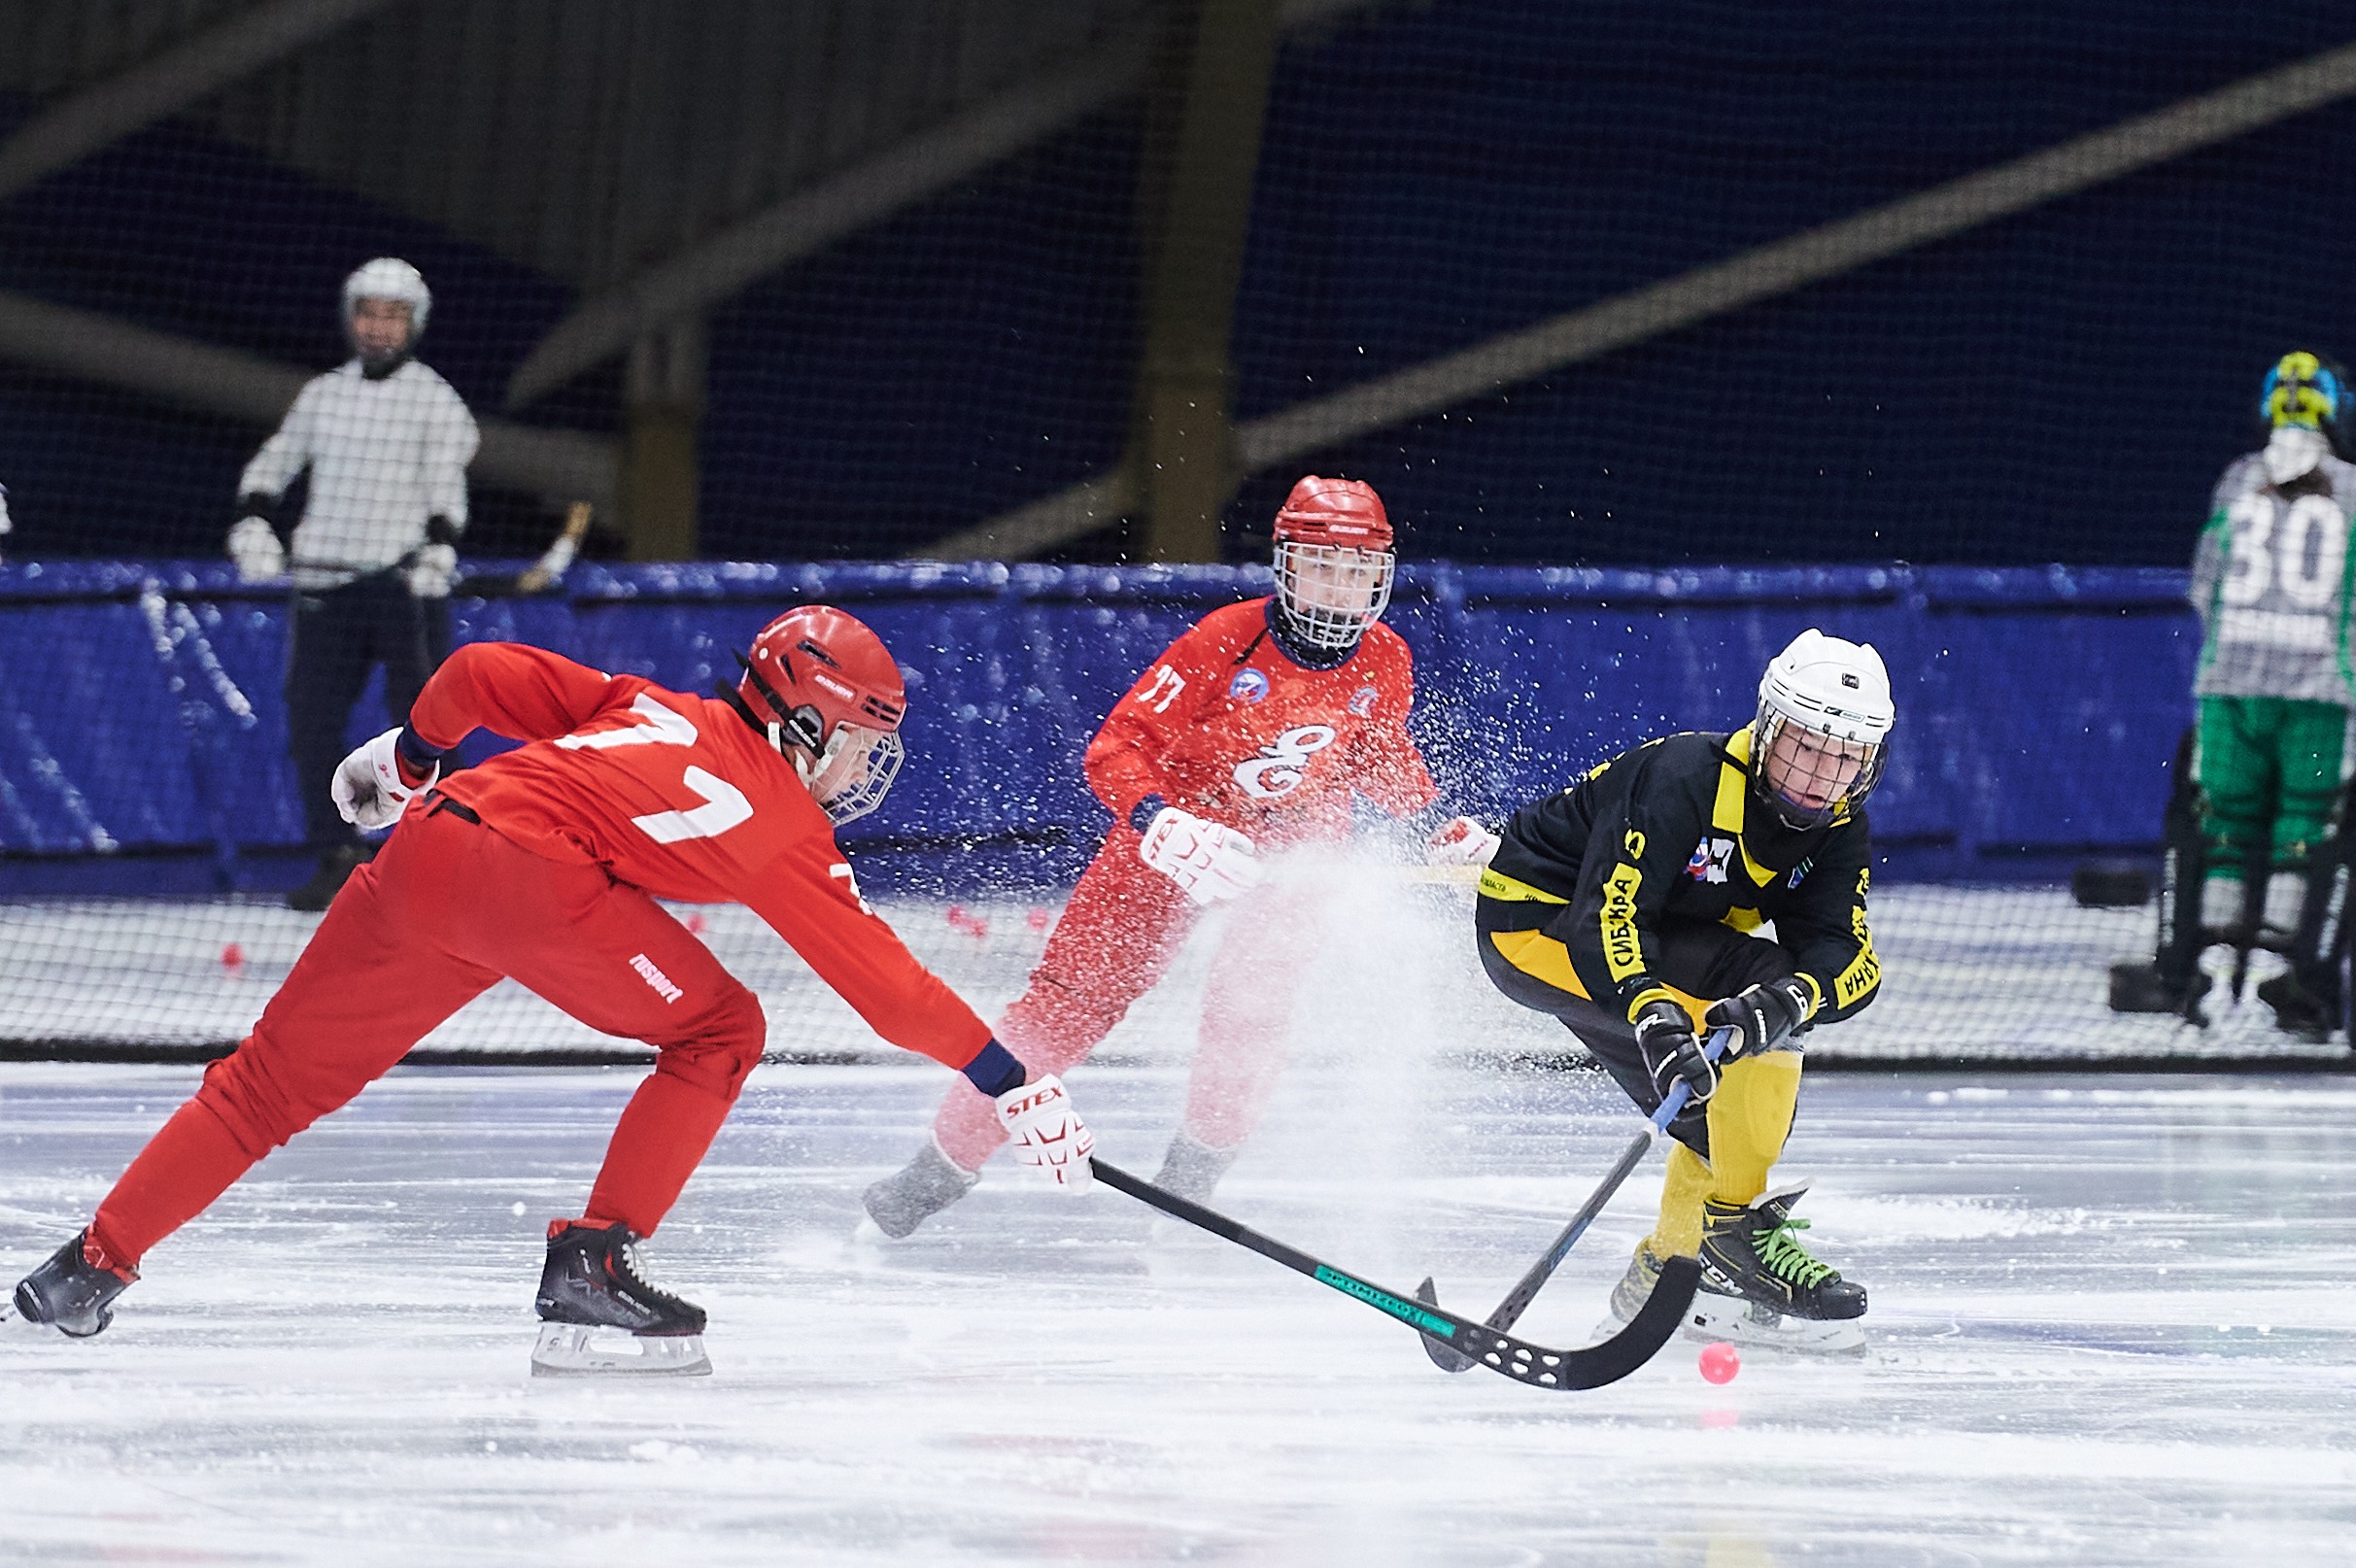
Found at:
[543, 864]
[1250, 733]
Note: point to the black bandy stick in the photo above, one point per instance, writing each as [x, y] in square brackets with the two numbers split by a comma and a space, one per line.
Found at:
[1518, 1300]
[1534, 1364]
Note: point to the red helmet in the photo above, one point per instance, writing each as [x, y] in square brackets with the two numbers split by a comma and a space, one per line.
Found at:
[1334, 511]
[1334, 561]
[813, 678]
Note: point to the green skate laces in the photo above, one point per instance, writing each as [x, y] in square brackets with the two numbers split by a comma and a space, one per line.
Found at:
[1780, 1252]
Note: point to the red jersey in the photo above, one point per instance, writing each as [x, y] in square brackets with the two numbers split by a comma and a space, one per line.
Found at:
[676, 795]
[1226, 725]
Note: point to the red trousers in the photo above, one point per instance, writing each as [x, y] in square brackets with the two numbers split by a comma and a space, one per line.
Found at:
[444, 911]
[1117, 937]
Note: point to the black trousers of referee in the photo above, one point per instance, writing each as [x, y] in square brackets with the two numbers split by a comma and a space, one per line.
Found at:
[339, 634]
[1702, 959]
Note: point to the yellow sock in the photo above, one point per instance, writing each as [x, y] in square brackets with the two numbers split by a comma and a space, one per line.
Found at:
[1750, 1117]
[1678, 1232]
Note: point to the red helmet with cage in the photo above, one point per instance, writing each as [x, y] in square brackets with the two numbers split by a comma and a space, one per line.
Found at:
[826, 691]
[1334, 560]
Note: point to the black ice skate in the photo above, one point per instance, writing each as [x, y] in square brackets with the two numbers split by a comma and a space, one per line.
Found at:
[598, 1316]
[2143, 988]
[1192, 1168]
[2298, 1011]
[1760, 1285]
[917, 1191]
[72, 1294]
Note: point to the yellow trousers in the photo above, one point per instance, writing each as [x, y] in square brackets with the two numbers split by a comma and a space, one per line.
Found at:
[1749, 1118]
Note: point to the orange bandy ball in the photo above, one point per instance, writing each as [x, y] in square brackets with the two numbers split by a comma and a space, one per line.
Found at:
[1720, 1363]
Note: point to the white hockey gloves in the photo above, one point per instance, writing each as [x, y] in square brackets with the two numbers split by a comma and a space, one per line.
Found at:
[1460, 842]
[255, 549]
[435, 569]
[1046, 1133]
[1208, 860]
[368, 790]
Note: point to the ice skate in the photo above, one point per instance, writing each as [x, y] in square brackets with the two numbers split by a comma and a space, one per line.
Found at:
[599, 1316]
[2298, 1011]
[71, 1293]
[914, 1193]
[2143, 988]
[1759, 1287]
[1716, 1315]
[1192, 1168]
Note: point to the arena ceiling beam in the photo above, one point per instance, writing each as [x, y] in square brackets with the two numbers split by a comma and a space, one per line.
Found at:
[65, 132]
[719, 267]
[1765, 272]
[562, 465]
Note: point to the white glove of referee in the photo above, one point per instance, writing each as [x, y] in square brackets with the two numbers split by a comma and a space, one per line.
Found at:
[1460, 842]
[255, 549]
[1208, 860]
[1046, 1133]
[436, 568]
[368, 790]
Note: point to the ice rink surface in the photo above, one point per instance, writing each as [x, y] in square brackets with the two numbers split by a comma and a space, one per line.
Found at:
[2111, 1325]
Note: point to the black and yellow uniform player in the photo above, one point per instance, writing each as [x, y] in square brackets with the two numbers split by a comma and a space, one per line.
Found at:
[1630, 905]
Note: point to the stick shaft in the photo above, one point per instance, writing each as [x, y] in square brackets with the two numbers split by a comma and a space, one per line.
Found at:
[1518, 1300]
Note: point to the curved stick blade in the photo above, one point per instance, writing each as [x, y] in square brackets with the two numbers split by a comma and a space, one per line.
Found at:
[1596, 1365]
[1443, 1358]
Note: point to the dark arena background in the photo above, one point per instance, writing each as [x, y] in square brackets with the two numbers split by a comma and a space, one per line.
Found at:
[1664, 331]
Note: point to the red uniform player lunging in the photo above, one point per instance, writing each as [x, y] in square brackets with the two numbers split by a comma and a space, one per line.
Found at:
[1250, 733]
[544, 864]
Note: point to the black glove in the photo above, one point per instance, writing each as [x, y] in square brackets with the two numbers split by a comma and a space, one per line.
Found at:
[1665, 1034]
[1762, 1017]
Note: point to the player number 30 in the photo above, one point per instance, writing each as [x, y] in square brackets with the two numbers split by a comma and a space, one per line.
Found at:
[2305, 559]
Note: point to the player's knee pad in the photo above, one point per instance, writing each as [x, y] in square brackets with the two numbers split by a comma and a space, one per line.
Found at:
[723, 1048]
[1750, 1117]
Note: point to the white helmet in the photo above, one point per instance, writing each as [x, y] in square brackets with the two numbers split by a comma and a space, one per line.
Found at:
[1838, 691]
[389, 277]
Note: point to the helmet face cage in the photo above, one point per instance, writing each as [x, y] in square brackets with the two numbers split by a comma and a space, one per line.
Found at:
[1769, 727]
[1331, 594]
[882, 756]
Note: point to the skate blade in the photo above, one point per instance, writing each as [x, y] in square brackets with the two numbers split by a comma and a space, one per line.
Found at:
[1749, 1327]
[1790, 1335]
[583, 1350]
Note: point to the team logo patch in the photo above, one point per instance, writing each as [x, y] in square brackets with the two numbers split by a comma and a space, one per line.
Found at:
[1249, 686]
[1362, 701]
[1711, 858]
[1279, 767]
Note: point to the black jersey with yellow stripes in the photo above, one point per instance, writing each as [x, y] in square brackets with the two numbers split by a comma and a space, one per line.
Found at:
[1672, 831]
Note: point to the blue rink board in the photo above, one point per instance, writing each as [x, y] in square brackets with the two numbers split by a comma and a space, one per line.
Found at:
[143, 730]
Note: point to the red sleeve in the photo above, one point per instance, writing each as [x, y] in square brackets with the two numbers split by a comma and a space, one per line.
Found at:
[807, 897]
[1389, 769]
[1124, 762]
[509, 688]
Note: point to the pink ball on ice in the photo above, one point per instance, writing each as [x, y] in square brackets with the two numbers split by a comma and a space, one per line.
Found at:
[1720, 1363]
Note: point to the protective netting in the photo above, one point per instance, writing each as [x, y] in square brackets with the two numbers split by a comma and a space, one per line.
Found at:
[941, 320]
[1999, 976]
[875, 271]
[149, 816]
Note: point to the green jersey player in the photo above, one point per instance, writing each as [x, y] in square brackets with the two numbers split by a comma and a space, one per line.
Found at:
[2271, 584]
